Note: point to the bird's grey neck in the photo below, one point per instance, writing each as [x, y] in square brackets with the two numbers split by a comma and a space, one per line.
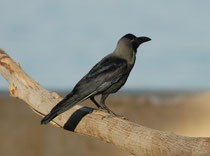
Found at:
[125, 53]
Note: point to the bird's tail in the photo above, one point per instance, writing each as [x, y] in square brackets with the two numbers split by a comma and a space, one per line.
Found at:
[68, 102]
[49, 117]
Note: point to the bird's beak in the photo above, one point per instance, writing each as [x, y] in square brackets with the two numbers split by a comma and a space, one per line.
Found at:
[142, 39]
[138, 41]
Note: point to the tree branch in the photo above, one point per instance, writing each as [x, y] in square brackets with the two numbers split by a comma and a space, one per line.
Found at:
[126, 135]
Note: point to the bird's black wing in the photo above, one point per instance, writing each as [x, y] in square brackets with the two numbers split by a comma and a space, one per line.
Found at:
[102, 76]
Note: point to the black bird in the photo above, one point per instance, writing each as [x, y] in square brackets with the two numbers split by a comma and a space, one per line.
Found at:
[106, 77]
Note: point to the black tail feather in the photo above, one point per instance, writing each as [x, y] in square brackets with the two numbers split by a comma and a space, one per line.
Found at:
[48, 117]
[68, 102]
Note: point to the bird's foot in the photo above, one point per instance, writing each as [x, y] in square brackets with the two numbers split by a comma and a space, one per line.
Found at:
[112, 115]
[101, 109]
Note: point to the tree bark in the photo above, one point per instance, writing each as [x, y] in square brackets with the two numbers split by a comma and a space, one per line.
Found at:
[128, 136]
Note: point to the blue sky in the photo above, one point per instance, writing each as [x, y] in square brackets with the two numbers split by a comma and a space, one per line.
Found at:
[57, 42]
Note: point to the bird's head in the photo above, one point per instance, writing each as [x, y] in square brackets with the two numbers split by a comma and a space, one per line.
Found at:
[130, 40]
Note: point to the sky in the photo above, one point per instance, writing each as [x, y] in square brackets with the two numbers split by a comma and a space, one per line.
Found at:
[58, 42]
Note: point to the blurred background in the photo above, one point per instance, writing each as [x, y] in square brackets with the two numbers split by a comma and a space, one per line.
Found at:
[57, 42]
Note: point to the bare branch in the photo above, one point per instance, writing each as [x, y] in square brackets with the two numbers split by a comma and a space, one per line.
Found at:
[123, 134]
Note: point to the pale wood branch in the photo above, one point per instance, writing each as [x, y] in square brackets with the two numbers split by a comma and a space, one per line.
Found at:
[126, 135]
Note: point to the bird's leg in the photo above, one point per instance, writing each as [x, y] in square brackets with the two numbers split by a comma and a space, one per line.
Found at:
[95, 102]
[102, 102]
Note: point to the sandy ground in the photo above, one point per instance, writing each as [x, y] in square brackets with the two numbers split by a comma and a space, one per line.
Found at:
[22, 135]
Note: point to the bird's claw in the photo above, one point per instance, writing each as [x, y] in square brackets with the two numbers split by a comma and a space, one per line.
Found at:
[103, 110]
[111, 116]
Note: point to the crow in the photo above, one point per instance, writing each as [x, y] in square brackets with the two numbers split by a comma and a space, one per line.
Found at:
[105, 78]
